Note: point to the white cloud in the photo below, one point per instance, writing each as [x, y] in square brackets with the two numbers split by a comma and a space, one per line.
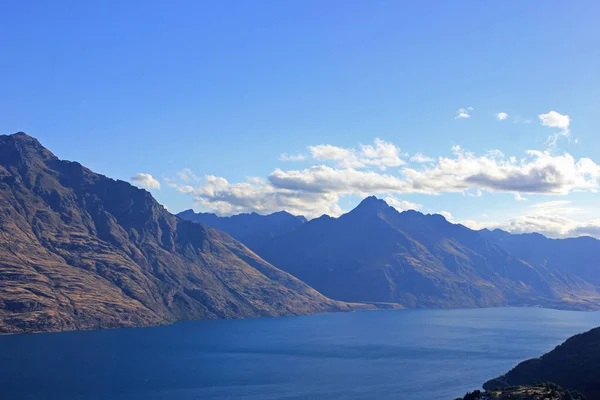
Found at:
[518, 197]
[463, 113]
[539, 172]
[257, 195]
[316, 190]
[553, 119]
[448, 215]
[555, 219]
[420, 158]
[402, 205]
[549, 205]
[381, 154]
[324, 152]
[146, 181]
[323, 179]
[187, 175]
[291, 157]
[501, 116]
[495, 154]
[478, 193]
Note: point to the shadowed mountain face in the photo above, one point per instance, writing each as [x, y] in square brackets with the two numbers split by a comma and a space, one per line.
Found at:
[79, 250]
[574, 365]
[374, 253]
[254, 230]
[580, 256]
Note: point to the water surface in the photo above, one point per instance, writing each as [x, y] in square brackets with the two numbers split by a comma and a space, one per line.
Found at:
[395, 354]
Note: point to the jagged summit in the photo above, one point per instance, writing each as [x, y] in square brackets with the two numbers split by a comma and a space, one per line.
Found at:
[252, 229]
[20, 148]
[372, 203]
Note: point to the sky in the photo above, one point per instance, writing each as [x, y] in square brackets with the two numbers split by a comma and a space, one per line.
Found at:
[485, 112]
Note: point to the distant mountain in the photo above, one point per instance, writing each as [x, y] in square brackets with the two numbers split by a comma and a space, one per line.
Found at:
[575, 365]
[377, 254]
[79, 251]
[580, 256]
[254, 230]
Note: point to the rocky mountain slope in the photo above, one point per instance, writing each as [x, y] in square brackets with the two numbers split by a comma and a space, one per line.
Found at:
[377, 254]
[254, 230]
[80, 251]
[574, 365]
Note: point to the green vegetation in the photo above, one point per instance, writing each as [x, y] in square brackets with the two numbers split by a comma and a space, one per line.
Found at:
[545, 391]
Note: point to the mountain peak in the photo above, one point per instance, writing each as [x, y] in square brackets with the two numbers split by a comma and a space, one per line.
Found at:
[369, 207]
[22, 149]
[371, 203]
[120, 256]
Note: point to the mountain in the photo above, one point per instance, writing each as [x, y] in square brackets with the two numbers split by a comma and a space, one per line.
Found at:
[79, 250]
[254, 230]
[574, 365]
[376, 254]
[573, 255]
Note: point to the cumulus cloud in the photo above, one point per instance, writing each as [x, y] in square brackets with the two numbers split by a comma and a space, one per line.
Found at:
[316, 190]
[257, 195]
[420, 158]
[555, 219]
[539, 172]
[402, 205]
[477, 193]
[554, 119]
[291, 157]
[187, 175]
[501, 116]
[323, 179]
[448, 215]
[462, 113]
[146, 181]
[519, 197]
[344, 158]
[381, 154]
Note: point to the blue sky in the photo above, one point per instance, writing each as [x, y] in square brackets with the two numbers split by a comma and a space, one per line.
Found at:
[224, 88]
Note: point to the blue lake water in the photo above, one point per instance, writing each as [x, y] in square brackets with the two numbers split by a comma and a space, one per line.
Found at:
[395, 354]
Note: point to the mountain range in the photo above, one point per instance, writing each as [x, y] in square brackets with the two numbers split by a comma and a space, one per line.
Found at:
[376, 254]
[79, 250]
[254, 230]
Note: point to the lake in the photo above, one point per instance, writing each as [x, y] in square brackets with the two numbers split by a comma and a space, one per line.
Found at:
[392, 354]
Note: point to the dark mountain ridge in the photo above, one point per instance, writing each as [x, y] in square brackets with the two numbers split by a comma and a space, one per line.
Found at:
[579, 255]
[375, 253]
[79, 250]
[574, 365]
[254, 230]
